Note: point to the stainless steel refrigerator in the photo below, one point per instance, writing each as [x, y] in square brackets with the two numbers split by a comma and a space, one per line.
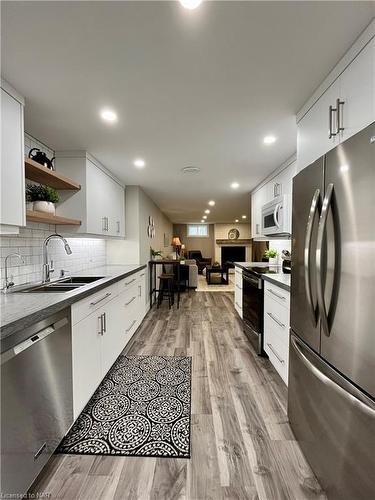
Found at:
[331, 393]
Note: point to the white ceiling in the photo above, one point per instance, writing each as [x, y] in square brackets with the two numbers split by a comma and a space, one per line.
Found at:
[195, 88]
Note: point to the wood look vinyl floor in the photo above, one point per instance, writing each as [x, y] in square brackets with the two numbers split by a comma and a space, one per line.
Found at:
[242, 445]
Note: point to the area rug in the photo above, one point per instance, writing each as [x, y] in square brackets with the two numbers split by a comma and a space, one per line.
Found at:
[142, 408]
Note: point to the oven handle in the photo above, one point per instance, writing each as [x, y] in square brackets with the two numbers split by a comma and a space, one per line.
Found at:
[253, 281]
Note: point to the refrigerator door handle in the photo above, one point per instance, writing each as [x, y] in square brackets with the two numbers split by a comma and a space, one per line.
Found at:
[319, 260]
[306, 254]
[345, 388]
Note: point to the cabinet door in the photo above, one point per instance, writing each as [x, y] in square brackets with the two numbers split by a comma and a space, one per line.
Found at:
[258, 199]
[313, 129]
[357, 91]
[87, 365]
[98, 200]
[117, 210]
[12, 163]
[112, 338]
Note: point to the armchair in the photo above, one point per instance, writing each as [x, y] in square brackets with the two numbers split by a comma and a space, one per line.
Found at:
[201, 261]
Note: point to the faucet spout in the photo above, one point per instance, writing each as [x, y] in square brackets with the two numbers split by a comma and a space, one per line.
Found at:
[46, 268]
[8, 283]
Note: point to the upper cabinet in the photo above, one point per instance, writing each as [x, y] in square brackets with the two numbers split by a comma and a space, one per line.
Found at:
[100, 204]
[12, 169]
[345, 108]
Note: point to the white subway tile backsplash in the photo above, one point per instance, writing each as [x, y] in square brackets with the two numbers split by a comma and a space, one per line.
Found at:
[86, 253]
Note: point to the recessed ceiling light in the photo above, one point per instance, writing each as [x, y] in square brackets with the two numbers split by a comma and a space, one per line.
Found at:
[190, 4]
[204, 217]
[207, 211]
[139, 163]
[108, 115]
[202, 220]
[244, 216]
[234, 185]
[236, 220]
[211, 203]
[190, 170]
[269, 139]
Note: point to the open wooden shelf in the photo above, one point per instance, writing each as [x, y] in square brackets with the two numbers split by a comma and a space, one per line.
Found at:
[37, 173]
[34, 216]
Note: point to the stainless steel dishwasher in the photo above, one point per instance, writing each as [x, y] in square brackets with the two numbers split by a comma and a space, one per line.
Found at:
[36, 400]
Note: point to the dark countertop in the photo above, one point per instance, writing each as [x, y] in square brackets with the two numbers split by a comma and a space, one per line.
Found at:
[281, 279]
[20, 310]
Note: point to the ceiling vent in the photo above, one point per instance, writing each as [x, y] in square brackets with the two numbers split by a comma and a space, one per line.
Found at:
[191, 170]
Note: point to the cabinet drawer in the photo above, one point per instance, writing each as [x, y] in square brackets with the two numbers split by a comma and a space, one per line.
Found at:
[279, 360]
[86, 306]
[131, 280]
[276, 319]
[278, 294]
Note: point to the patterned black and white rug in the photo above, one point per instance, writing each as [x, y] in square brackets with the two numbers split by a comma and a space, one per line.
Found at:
[142, 408]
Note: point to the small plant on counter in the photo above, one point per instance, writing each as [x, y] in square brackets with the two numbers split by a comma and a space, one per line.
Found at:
[271, 253]
[272, 256]
[42, 197]
[155, 253]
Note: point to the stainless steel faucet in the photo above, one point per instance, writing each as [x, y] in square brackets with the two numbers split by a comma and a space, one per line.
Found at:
[8, 283]
[48, 266]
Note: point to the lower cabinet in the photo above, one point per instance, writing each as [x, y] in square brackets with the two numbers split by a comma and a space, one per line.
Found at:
[238, 291]
[99, 335]
[276, 327]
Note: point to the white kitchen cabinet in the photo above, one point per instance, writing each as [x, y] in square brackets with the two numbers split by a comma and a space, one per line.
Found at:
[350, 103]
[100, 204]
[238, 291]
[258, 199]
[87, 359]
[12, 168]
[357, 92]
[276, 327]
[102, 325]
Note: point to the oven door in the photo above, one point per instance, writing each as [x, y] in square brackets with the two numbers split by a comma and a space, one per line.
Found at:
[252, 310]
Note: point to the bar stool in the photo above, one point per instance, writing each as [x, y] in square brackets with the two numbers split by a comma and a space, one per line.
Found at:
[166, 284]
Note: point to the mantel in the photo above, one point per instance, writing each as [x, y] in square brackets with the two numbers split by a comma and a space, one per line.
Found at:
[234, 242]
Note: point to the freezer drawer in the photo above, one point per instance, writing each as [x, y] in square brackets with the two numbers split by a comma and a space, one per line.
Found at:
[36, 401]
[334, 423]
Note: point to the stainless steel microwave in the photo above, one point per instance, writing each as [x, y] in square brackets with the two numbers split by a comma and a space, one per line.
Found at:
[275, 216]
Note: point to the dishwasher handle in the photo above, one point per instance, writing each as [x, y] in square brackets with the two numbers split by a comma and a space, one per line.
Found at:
[34, 339]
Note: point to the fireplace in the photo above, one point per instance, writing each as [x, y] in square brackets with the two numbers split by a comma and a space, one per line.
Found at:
[232, 254]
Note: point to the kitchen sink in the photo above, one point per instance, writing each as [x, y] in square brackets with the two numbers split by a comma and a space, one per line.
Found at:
[81, 279]
[63, 285]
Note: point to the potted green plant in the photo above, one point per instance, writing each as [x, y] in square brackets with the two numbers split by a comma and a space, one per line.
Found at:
[272, 255]
[155, 254]
[42, 197]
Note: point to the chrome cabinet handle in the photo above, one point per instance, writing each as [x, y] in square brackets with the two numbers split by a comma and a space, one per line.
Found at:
[118, 227]
[140, 290]
[238, 286]
[330, 122]
[238, 305]
[339, 127]
[319, 259]
[306, 256]
[103, 224]
[107, 224]
[100, 318]
[130, 301]
[131, 326]
[276, 320]
[276, 294]
[275, 353]
[99, 300]
[129, 282]
[104, 322]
